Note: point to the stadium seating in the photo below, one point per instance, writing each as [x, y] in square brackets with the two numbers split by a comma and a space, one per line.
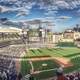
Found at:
[7, 68]
[12, 51]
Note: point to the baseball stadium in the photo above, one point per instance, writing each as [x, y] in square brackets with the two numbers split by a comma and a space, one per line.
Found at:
[39, 39]
[38, 51]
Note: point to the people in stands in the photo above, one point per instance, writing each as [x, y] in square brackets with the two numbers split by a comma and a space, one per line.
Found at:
[60, 75]
[0, 76]
[69, 76]
[73, 76]
[3, 75]
[7, 72]
[13, 76]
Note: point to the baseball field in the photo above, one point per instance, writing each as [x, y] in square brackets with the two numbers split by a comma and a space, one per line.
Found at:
[43, 62]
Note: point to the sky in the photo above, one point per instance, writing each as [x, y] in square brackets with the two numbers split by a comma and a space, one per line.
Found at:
[63, 13]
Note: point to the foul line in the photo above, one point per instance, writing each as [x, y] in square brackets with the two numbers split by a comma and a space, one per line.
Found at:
[43, 71]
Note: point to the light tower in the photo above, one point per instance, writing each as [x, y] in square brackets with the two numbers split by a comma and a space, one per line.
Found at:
[40, 32]
[48, 39]
[25, 36]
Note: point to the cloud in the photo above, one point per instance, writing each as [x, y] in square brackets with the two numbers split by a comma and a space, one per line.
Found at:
[50, 13]
[4, 9]
[51, 7]
[44, 4]
[62, 4]
[64, 17]
[22, 7]
[78, 13]
[58, 4]
[22, 13]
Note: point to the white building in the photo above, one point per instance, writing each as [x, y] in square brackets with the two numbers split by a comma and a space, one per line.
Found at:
[76, 35]
[57, 37]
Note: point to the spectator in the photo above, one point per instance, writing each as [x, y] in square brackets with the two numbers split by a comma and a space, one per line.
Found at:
[4, 76]
[0, 76]
[19, 76]
[7, 72]
[59, 71]
[60, 75]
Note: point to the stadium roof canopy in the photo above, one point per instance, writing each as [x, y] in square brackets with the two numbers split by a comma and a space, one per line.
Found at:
[10, 30]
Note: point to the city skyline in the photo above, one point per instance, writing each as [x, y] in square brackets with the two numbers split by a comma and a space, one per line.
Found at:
[63, 13]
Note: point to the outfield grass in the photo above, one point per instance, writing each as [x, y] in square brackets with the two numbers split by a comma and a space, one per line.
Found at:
[57, 52]
[66, 44]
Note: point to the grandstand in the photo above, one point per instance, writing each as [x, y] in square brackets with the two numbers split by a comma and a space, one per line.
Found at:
[12, 51]
[41, 60]
[39, 39]
[7, 67]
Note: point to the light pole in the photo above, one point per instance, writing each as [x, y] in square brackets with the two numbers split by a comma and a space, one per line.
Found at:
[40, 33]
[25, 37]
[48, 26]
